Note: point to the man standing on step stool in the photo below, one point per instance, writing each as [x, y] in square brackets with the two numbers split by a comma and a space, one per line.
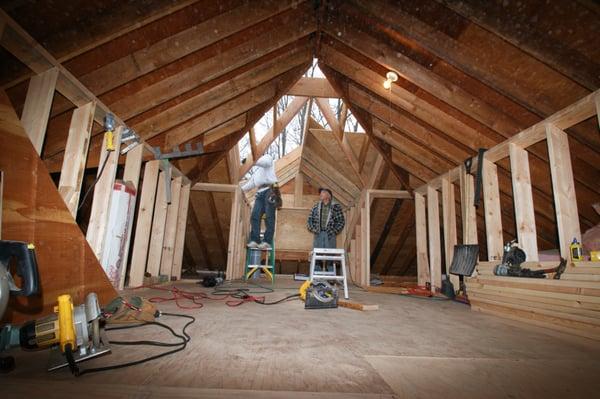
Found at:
[326, 221]
[267, 199]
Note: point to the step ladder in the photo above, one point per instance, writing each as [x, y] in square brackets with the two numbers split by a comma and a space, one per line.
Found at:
[335, 256]
[260, 259]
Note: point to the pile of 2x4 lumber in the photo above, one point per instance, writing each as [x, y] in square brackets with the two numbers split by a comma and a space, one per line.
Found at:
[571, 304]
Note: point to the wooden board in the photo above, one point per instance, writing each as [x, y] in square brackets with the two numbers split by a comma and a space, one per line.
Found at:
[292, 234]
[357, 305]
[33, 211]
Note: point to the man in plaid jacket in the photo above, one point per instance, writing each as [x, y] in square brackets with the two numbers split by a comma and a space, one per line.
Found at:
[326, 220]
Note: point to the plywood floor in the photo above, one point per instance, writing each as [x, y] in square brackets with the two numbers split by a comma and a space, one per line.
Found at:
[409, 348]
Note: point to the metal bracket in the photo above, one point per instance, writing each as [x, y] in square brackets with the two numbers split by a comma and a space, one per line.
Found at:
[188, 151]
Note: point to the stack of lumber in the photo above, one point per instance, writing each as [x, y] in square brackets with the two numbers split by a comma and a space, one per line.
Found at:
[571, 304]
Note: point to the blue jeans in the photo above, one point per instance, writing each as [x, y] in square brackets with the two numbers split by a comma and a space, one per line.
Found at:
[262, 207]
[322, 240]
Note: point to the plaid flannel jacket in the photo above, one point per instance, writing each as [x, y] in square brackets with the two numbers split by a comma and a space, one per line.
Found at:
[336, 220]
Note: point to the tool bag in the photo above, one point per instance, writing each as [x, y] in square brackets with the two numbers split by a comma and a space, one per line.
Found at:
[130, 310]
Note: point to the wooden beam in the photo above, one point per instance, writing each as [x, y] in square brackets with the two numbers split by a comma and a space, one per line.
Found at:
[233, 164]
[215, 187]
[144, 224]
[76, 151]
[168, 246]
[338, 134]
[103, 193]
[284, 119]
[433, 227]
[398, 194]
[37, 106]
[158, 227]
[493, 213]
[565, 198]
[449, 218]
[423, 273]
[524, 212]
[253, 147]
[313, 87]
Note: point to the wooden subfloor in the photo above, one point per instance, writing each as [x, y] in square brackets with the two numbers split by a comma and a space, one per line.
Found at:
[408, 348]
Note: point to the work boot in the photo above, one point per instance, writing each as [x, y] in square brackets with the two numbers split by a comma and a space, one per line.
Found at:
[264, 245]
[252, 245]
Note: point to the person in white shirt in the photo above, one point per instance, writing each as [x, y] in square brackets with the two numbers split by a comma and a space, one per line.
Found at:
[265, 203]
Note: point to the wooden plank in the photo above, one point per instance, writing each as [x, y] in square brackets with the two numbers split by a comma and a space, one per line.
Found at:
[1, 190]
[34, 212]
[144, 224]
[76, 151]
[565, 201]
[313, 87]
[168, 246]
[449, 218]
[468, 212]
[433, 227]
[103, 193]
[215, 187]
[357, 305]
[493, 213]
[158, 227]
[421, 231]
[253, 148]
[298, 187]
[133, 166]
[524, 211]
[38, 102]
[233, 234]
[398, 194]
[366, 226]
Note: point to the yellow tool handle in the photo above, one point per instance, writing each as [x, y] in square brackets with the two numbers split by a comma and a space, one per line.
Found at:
[66, 324]
[110, 144]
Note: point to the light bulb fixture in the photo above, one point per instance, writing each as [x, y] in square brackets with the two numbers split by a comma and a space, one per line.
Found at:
[391, 76]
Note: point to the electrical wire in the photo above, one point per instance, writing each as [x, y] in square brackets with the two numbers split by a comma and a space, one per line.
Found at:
[184, 337]
[95, 181]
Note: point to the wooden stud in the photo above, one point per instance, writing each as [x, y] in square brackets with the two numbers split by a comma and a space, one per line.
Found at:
[103, 193]
[298, 187]
[433, 227]
[38, 102]
[449, 217]
[524, 211]
[366, 222]
[76, 151]
[158, 227]
[364, 252]
[358, 278]
[168, 246]
[231, 272]
[133, 166]
[492, 212]
[597, 101]
[423, 274]
[1, 190]
[144, 224]
[468, 212]
[565, 201]
[253, 148]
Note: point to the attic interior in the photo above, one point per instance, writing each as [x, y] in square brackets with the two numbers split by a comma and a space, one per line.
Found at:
[445, 129]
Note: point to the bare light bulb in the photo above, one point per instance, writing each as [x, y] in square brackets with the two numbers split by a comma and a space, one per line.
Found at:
[387, 84]
[391, 76]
